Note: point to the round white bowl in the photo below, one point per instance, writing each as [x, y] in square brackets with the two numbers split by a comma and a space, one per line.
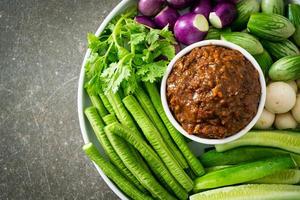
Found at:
[261, 102]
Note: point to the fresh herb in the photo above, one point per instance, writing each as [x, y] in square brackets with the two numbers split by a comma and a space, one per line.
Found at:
[127, 52]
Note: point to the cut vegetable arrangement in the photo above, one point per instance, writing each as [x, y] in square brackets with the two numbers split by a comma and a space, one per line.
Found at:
[146, 157]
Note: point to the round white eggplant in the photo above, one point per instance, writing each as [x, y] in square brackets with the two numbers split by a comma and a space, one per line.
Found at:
[285, 121]
[265, 120]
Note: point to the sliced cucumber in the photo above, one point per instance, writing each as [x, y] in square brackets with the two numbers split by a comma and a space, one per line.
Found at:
[286, 140]
[251, 192]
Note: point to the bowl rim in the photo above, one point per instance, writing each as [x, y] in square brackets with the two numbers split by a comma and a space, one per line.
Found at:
[80, 97]
[185, 51]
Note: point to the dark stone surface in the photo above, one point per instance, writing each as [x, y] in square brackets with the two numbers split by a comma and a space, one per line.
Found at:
[42, 45]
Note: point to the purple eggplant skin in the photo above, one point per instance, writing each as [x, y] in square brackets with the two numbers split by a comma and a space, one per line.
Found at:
[191, 28]
[150, 7]
[167, 16]
[177, 48]
[227, 1]
[223, 15]
[180, 4]
[147, 21]
[203, 7]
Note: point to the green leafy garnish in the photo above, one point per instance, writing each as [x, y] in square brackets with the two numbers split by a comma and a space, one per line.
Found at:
[126, 53]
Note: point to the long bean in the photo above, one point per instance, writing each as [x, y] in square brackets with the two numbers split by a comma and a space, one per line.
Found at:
[155, 163]
[157, 142]
[106, 103]
[97, 125]
[95, 99]
[192, 160]
[113, 173]
[148, 107]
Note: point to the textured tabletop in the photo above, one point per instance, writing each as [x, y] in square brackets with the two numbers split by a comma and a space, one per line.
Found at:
[42, 45]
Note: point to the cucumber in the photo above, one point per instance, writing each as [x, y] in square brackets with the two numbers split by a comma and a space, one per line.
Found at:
[271, 27]
[244, 9]
[287, 176]
[215, 33]
[294, 17]
[265, 61]
[285, 69]
[280, 49]
[245, 40]
[286, 140]
[272, 6]
[243, 173]
[216, 168]
[243, 154]
[112, 173]
[251, 192]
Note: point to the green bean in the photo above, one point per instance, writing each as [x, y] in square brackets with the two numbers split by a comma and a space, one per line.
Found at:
[97, 125]
[156, 141]
[112, 173]
[192, 160]
[155, 163]
[148, 107]
[97, 103]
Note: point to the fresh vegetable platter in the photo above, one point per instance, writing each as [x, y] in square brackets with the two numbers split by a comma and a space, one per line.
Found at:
[129, 137]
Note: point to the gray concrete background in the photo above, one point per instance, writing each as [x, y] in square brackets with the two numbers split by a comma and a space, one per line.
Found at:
[42, 45]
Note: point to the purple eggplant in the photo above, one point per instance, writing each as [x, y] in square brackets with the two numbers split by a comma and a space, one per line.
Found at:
[190, 28]
[226, 1]
[177, 48]
[223, 15]
[180, 4]
[166, 16]
[150, 7]
[203, 7]
[145, 21]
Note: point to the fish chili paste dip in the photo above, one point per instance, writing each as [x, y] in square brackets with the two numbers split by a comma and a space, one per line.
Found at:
[213, 91]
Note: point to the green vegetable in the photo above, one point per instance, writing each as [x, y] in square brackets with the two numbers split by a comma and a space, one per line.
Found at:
[286, 69]
[216, 168]
[157, 142]
[155, 163]
[265, 61]
[109, 119]
[243, 173]
[244, 9]
[286, 140]
[193, 162]
[280, 49]
[106, 103]
[287, 176]
[113, 173]
[243, 154]
[271, 27]
[97, 103]
[97, 125]
[251, 192]
[125, 53]
[215, 33]
[148, 107]
[245, 40]
[272, 6]
[294, 17]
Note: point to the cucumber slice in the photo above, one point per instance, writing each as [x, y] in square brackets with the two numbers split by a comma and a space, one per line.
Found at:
[286, 140]
[251, 192]
[243, 173]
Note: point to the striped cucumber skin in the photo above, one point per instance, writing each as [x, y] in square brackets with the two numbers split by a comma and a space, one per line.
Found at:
[243, 154]
[245, 40]
[157, 142]
[286, 140]
[114, 174]
[244, 9]
[215, 33]
[265, 61]
[287, 176]
[155, 163]
[98, 125]
[148, 107]
[280, 49]
[285, 69]
[272, 6]
[251, 192]
[294, 17]
[271, 27]
[178, 138]
[96, 101]
[109, 119]
[243, 173]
